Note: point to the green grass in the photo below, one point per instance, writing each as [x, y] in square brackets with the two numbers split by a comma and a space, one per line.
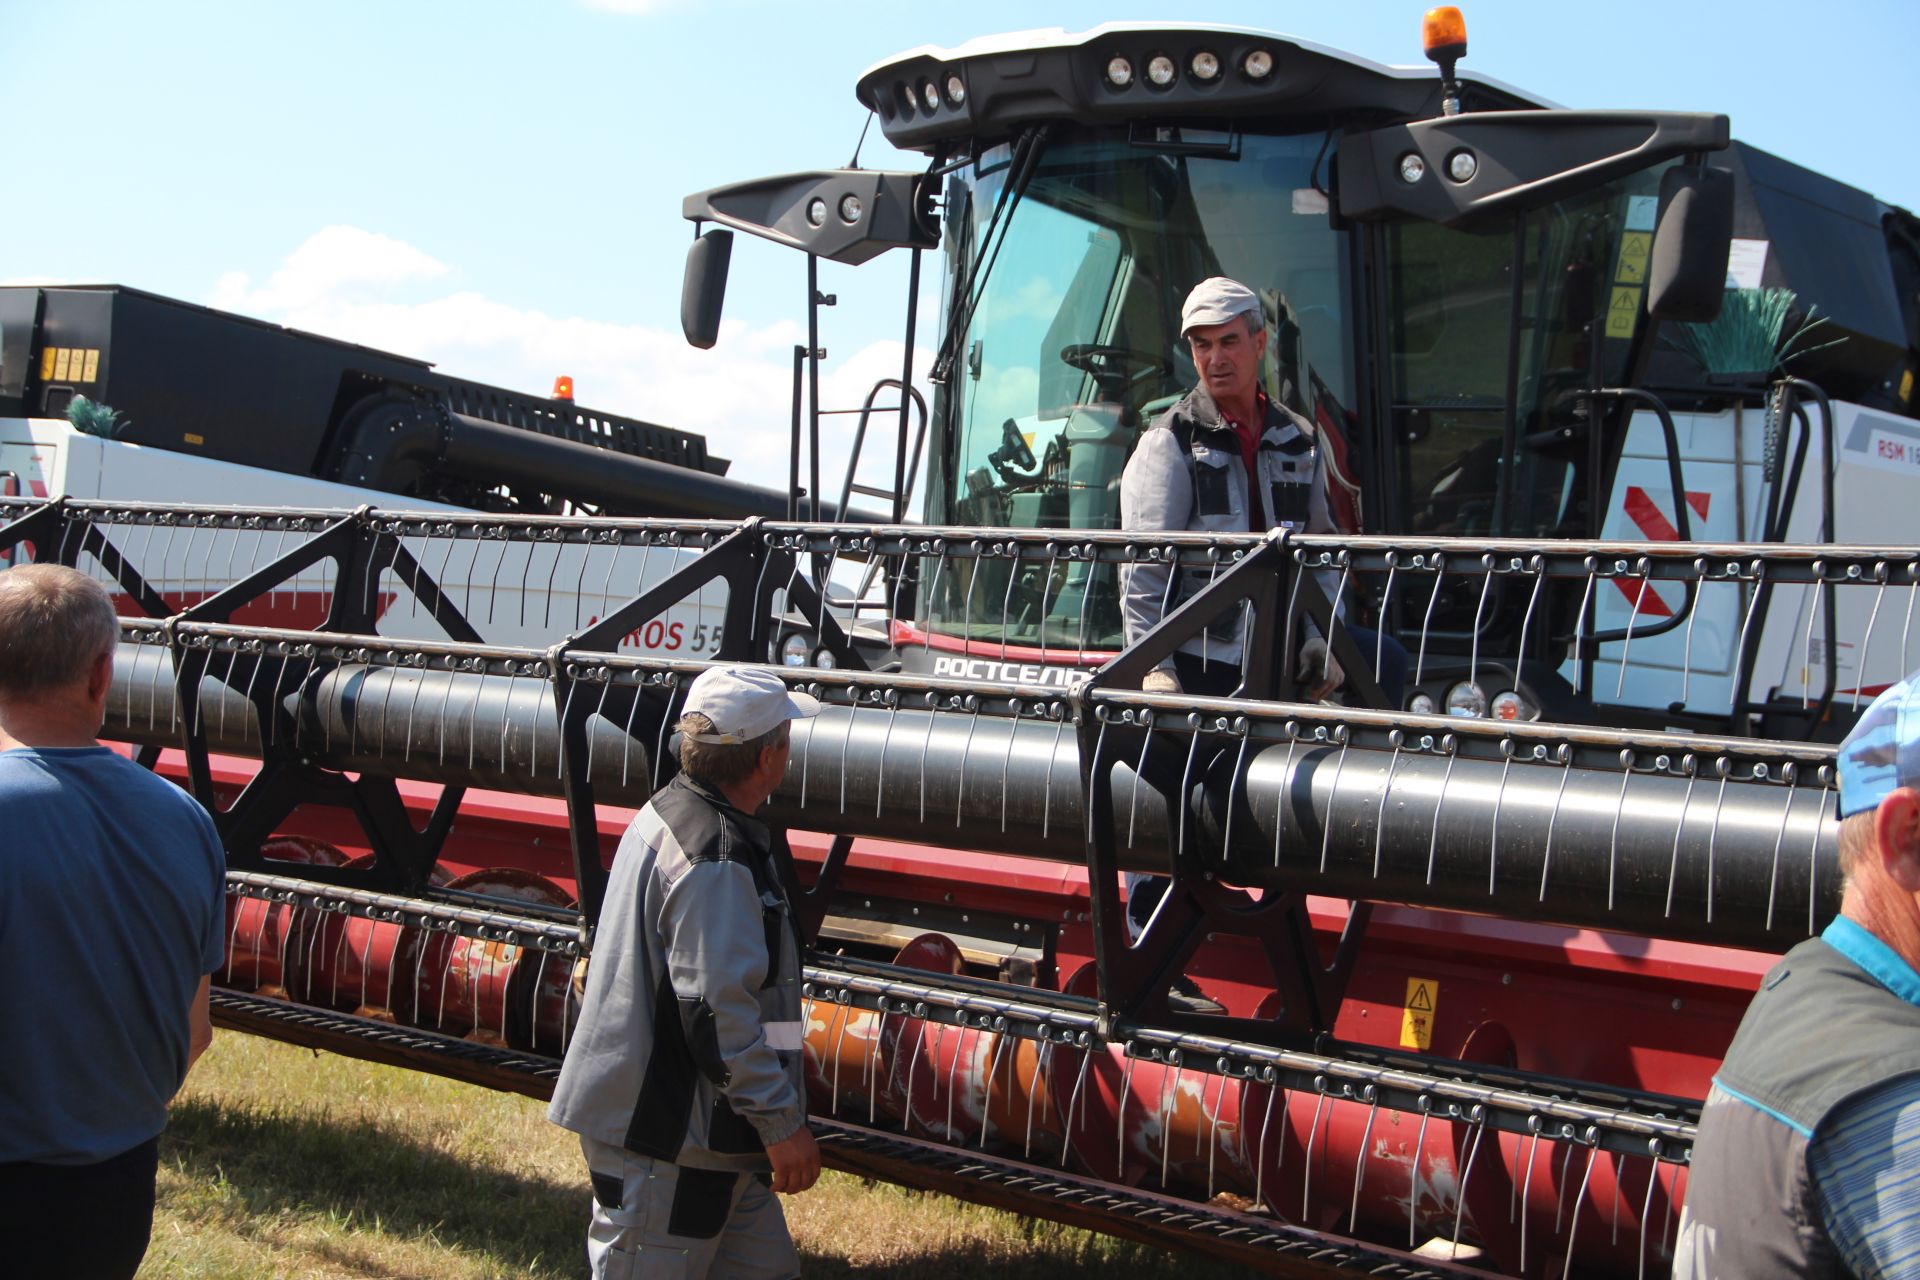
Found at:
[284, 1162]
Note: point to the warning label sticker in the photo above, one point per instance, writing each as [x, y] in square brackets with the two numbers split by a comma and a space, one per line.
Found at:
[1416, 1019]
[1623, 312]
[1635, 248]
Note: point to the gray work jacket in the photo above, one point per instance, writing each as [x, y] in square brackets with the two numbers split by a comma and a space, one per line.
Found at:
[1188, 474]
[689, 1046]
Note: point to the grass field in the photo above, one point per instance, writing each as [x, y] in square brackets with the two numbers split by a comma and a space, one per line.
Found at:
[283, 1162]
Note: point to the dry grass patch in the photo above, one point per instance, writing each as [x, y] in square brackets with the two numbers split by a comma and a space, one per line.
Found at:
[282, 1162]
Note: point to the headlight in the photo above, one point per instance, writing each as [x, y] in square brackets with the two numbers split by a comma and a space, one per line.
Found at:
[1160, 70]
[793, 650]
[1422, 704]
[1466, 699]
[1511, 704]
[823, 658]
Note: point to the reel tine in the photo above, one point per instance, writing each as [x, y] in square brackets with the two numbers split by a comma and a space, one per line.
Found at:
[886, 741]
[1244, 732]
[1313, 1136]
[1014, 565]
[1213, 1131]
[933, 591]
[853, 710]
[1790, 775]
[1360, 1165]
[1120, 1120]
[1866, 645]
[1536, 565]
[1690, 767]
[1139, 772]
[1693, 616]
[1566, 1161]
[1073, 1100]
[580, 583]
[1499, 797]
[972, 705]
[1286, 777]
[1413, 1174]
[1619, 808]
[870, 1067]
[1526, 1190]
[1478, 1118]
[953, 1068]
[1170, 1096]
[1186, 785]
[1479, 611]
[1046, 795]
[626, 743]
[1546, 860]
[1580, 624]
[599, 713]
[933, 701]
[1722, 766]
[986, 1085]
[1386, 607]
[1633, 616]
[1813, 848]
[839, 1043]
[1260, 1148]
[1646, 1212]
[1450, 745]
[667, 718]
[1006, 762]
[1806, 643]
[1339, 766]
[1397, 738]
[1573, 1218]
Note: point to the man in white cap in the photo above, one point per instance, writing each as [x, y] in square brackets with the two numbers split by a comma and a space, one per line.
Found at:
[1228, 459]
[685, 1078]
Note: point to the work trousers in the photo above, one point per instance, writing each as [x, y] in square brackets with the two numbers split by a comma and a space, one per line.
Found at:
[654, 1219]
[78, 1221]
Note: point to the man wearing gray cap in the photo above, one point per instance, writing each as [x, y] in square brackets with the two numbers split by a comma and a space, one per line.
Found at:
[685, 1078]
[1228, 459]
[1807, 1161]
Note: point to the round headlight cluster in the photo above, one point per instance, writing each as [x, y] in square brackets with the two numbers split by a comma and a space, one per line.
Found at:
[1160, 70]
[823, 658]
[1466, 699]
[1258, 65]
[1119, 72]
[1511, 704]
[793, 650]
[1422, 704]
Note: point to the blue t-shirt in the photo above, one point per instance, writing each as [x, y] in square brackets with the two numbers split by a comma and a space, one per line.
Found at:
[112, 906]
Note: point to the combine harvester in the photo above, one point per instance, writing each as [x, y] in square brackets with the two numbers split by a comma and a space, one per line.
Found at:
[1476, 969]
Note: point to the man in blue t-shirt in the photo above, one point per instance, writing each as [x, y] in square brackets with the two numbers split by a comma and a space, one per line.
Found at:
[112, 911]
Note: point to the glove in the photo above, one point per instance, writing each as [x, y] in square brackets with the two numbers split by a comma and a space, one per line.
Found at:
[1161, 680]
[1319, 670]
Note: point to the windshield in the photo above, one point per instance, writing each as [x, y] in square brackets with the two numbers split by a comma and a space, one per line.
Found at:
[1073, 341]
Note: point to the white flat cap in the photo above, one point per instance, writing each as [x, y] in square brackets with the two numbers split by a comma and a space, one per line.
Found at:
[742, 703]
[1218, 300]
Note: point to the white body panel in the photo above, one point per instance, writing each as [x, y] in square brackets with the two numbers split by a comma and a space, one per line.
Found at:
[513, 594]
[1876, 501]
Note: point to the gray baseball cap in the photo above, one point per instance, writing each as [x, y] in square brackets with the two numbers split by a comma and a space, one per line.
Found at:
[1218, 300]
[744, 702]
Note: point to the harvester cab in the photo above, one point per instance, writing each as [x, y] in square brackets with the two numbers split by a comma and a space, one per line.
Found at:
[1478, 300]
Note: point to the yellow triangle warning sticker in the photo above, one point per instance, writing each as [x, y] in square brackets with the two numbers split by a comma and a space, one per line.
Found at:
[1416, 1019]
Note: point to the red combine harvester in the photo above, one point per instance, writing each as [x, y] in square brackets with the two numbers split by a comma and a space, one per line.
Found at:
[1474, 958]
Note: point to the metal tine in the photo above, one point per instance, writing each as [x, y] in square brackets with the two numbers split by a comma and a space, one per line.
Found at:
[1042, 1071]
[1619, 808]
[1722, 766]
[1186, 783]
[67, 527]
[960, 776]
[839, 1042]
[599, 713]
[614, 549]
[1006, 598]
[886, 740]
[933, 590]
[1213, 1132]
[413, 704]
[526, 573]
[166, 562]
[506, 709]
[1537, 566]
[1499, 797]
[1170, 1094]
[1213, 572]
[1478, 1118]
[1286, 775]
[440, 574]
[1133, 795]
[1081, 642]
[1633, 616]
[1646, 1213]
[233, 657]
[966, 605]
[1615, 1162]
[1451, 747]
[1046, 594]
[580, 583]
[1690, 767]
[1806, 652]
[626, 743]
[667, 719]
[1566, 1159]
[953, 1067]
[139, 557]
[1360, 1165]
[1260, 1148]
[1120, 1119]
[493, 577]
[871, 1067]
[1006, 762]
[1386, 604]
[1813, 849]
[1244, 731]
[1527, 1186]
[473, 559]
[1866, 646]
[1046, 795]
[1693, 616]
[1073, 1100]
[1333, 792]
[1580, 624]
[933, 701]
[553, 575]
[1398, 739]
[1757, 568]
[1573, 1219]
[560, 750]
[913, 1060]
[853, 712]
[1565, 751]
[539, 981]
[986, 1085]
[1313, 1136]
[1413, 1173]
[1479, 610]
[1790, 775]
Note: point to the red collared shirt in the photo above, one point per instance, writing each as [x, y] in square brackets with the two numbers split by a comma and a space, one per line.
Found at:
[1249, 437]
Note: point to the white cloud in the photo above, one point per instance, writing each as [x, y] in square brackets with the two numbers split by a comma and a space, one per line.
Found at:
[363, 287]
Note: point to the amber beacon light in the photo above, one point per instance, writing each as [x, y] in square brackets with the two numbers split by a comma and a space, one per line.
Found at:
[563, 388]
[1443, 33]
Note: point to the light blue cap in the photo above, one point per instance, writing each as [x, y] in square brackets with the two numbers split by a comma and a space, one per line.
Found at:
[1882, 753]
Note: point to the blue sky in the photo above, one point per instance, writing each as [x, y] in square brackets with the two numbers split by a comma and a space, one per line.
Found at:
[496, 187]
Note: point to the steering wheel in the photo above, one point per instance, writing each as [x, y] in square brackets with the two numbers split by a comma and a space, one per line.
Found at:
[1114, 369]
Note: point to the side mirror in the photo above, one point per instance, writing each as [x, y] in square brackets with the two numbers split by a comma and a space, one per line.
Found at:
[704, 291]
[1687, 273]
